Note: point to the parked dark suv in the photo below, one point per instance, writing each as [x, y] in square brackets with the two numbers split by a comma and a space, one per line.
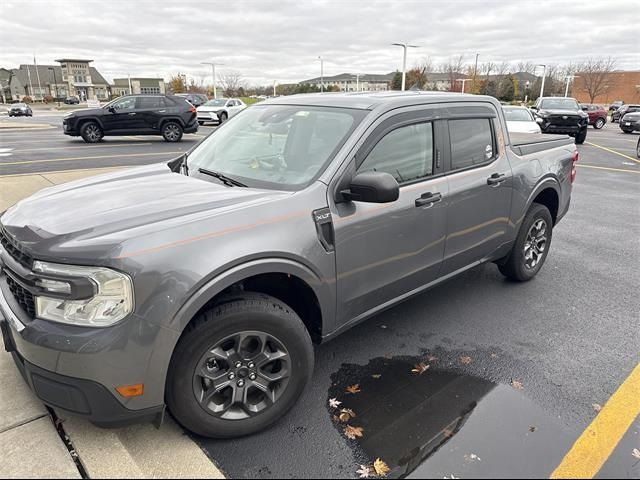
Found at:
[164, 115]
[623, 110]
[561, 115]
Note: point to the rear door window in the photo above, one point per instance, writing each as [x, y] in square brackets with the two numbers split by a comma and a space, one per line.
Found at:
[472, 142]
[150, 103]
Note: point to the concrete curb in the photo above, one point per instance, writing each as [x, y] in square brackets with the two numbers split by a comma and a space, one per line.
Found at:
[30, 444]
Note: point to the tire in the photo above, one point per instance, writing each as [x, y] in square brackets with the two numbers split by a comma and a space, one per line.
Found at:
[219, 329]
[222, 118]
[638, 149]
[517, 265]
[627, 131]
[599, 123]
[200, 123]
[581, 136]
[91, 132]
[172, 132]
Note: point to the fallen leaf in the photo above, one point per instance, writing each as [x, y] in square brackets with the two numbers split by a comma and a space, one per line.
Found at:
[451, 476]
[353, 389]
[636, 453]
[596, 406]
[383, 326]
[334, 403]
[364, 472]
[447, 433]
[376, 376]
[472, 457]
[353, 432]
[494, 355]
[420, 368]
[465, 360]
[381, 468]
[517, 385]
[346, 414]
[532, 428]
[431, 358]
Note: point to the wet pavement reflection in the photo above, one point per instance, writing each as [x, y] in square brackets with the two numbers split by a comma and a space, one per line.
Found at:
[426, 422]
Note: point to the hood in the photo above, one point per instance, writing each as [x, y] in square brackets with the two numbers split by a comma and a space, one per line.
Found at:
[96, 214]
[547, 111]
[207, 108]
[523, 127]
[85, 112]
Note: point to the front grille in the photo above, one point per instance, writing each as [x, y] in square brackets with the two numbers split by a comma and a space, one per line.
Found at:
[570, 120]
[14, 250]
[22, 296]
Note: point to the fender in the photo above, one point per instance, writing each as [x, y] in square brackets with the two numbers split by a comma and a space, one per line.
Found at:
[237, 273]
[167, 119]
[548, 181]
[82, 120]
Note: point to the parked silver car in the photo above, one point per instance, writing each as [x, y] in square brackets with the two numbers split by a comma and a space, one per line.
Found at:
[219, 110]
[520, 120]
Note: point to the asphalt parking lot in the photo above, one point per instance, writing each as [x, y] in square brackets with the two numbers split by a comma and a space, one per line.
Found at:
[516, 372]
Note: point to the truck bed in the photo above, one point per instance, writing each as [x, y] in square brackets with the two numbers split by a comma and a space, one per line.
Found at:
[526, 143]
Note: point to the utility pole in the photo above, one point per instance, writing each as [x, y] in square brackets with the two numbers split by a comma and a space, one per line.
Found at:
[130, 90]
[404, 61]
[213, 74]
[475, 73]
[321, 73]
[274, 88]
[357, 82]
[544, 76]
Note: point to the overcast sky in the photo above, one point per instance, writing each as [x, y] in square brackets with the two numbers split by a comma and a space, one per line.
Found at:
[265, 40]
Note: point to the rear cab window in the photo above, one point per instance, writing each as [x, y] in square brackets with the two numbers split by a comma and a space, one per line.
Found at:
[472, 142]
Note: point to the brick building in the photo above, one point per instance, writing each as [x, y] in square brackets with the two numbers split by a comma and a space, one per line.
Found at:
[622, 85]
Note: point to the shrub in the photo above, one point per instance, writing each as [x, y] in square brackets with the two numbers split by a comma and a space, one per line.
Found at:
[48, 99]
[27, 99]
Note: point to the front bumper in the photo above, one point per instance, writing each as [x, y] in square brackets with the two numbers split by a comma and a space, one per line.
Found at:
[208, 117]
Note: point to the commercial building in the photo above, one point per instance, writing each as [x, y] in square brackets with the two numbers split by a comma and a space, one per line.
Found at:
[352, 82]
[121, 86]
[83, 81]
[620, 85]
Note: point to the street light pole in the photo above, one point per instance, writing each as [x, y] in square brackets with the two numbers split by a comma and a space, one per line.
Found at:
[357, 82]
[213, 73]
[55, 84]
[404, 61]
[321, 73]
[274, 88]
[569, 79]
[463, 80]
[544, 76]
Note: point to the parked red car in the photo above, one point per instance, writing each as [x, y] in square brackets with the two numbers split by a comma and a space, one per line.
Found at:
[597, 115]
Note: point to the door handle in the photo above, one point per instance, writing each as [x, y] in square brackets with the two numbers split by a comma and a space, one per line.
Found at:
[162, 111]
[132, 114]
[428, 199]
[496, 179]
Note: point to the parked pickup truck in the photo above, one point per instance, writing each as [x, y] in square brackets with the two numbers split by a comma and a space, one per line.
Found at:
[561, 115]
[203, 284]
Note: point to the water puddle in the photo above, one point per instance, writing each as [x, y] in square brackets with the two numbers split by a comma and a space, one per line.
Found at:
[423, 421]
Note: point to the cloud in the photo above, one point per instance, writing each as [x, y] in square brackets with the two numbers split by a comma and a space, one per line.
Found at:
[281, 40]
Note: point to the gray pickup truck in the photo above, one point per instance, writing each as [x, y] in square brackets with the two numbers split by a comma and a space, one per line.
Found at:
[203, 284]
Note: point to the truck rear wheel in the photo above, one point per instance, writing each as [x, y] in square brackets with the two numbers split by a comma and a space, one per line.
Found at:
[532, 244]
[239, 367]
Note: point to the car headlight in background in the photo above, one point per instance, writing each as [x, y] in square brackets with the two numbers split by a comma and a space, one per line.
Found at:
[111, 302]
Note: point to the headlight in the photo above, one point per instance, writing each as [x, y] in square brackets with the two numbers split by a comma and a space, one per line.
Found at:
[112, 301]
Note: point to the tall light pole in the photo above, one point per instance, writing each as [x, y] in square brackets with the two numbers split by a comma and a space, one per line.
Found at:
[569, 78]
[55, 84]
[274, 88]
[404, 61]
[475, 73]
[321, 73]
[357, 82]
[463, 80]
[544, 76]
[213, 73]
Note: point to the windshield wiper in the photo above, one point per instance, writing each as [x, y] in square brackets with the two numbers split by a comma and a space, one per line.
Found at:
[223, 178]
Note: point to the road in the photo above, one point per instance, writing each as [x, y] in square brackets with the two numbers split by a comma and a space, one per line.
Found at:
[514, 370]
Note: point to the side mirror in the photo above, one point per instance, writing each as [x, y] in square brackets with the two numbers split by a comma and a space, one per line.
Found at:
[372, 187]
[533, 107]
[112, 109]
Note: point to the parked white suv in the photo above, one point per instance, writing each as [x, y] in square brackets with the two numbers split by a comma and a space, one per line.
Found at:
[219, 110]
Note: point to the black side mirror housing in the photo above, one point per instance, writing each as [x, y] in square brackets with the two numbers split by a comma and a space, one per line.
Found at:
[533, 107]
[372, 187]
[112, 109]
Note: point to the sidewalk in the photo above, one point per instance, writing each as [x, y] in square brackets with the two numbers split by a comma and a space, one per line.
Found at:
[31, 445]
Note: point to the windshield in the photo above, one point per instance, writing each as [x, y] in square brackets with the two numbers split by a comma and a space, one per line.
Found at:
[559, 104]
[517, 115]
[220, 102]
[282, 147]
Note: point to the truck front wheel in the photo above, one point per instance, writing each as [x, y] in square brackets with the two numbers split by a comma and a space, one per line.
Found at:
[531, 246]
[239, 367]
[581, 136]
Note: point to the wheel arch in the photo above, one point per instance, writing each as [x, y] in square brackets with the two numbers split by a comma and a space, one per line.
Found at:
[547, 193]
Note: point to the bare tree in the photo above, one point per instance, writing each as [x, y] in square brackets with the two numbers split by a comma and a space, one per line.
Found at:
[453, 69]
[595, 76]
[231, 82]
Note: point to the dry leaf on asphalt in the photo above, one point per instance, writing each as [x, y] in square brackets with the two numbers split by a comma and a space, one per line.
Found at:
[353, 389]
[636, 453]
[420, 368]
[365, 471]
[353, 432]
[471, 457]
[494, 355]
[465, 360]
[431, 358]
[376, 376]
[381, 468]
[447, 433]
[596, 406]
[533, 428]
[347, 414]
[517, 385]
[334, 403]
